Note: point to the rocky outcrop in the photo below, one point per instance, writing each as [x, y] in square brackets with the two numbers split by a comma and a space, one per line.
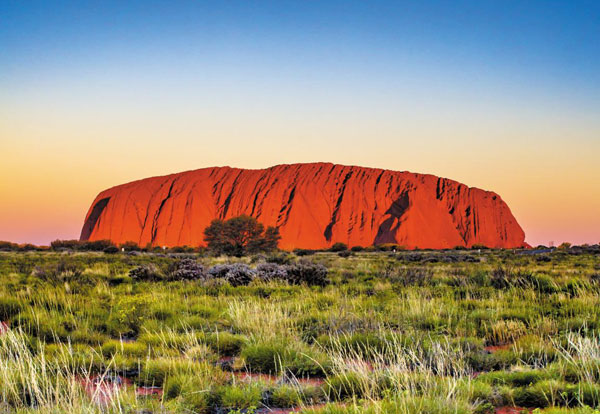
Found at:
[314, 205]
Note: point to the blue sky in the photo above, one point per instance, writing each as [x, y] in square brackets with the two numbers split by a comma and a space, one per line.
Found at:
[502, 95]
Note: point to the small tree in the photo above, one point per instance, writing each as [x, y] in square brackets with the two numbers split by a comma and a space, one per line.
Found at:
[240, 235]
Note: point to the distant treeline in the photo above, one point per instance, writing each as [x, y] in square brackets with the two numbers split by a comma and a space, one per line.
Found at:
[342, 249]
[240, 236]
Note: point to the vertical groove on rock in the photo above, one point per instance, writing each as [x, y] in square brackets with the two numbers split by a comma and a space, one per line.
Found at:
[329, 229]
[159, 210]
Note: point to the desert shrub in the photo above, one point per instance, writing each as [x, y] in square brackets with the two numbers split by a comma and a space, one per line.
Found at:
[516, 378]
[265, 357]
[218, 271]
[505, 331]
[111, 250]
[130, 246]
[244, 396]
[388, 247]
[162, 311]
[281, 258]
[543, 283]
[86, 335]
[127, 317]
[307, 272]
[484, 408]
[303, 252]
[533, 350]
[240, 274]
[306, 363]
[146, 273]
[574, 287]
[357, 248]
[310, 327]
[345, 253]
[285, 396]
[9, 307]
[117, 280]
[60, 272]
[410, 276]
[501, 278]
[271, 271]
[338, 247]
[276, 357]
[237, 274]
[188, 389]
[201, 352]
[344, 385]
[132, 349]
[586, 393]
[155, 371]
[542, 394]
[225, 343]
[362, 344]
[187, 269]
[480, 392]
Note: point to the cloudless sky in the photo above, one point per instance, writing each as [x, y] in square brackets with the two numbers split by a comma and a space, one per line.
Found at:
[501, 95]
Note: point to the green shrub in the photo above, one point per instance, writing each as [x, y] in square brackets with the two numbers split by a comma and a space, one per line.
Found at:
[147, 272]
[516, 378]
[201, 352]
[9, 307]
[363, 344]
[585, 393]
[285, 396]
[190, 390]
[542, 394]
[266, 357]
[240, 396]
[306, 363]
[225, 343]
[344, 385]
[131, 349]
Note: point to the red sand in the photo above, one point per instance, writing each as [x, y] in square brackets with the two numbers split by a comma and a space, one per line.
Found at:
[102, 389]
[314, 206]
[496, 348]
[512, 410]
[268, 378]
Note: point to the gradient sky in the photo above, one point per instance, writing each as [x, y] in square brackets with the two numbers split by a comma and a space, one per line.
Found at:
[501, 95]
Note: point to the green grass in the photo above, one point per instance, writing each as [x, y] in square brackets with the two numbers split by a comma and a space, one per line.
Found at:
[406, 332]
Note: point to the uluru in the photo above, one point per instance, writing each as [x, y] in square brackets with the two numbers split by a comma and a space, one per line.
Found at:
[314, 206]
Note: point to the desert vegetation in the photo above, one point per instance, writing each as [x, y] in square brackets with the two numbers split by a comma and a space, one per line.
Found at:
[345, 331]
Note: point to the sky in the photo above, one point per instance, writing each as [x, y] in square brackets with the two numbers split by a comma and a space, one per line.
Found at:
[500, 95]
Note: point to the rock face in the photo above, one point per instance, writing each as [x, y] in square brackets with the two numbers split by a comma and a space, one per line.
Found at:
[314, 206]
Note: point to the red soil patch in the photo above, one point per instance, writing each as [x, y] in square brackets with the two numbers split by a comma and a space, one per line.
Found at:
[512, 410]
[4, 327]
[496, 348]
[252, 376]
[102, 389]
[275, 410]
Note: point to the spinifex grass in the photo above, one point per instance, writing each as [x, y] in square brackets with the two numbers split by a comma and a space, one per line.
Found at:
[406, 332]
